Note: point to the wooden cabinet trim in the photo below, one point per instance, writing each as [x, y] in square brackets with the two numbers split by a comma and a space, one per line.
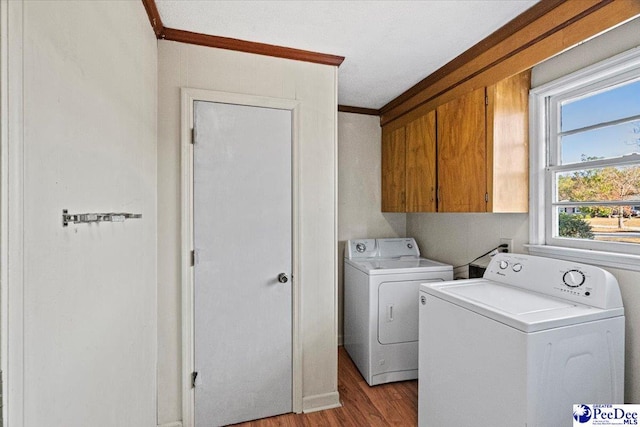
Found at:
[529, 16]
[564, 26]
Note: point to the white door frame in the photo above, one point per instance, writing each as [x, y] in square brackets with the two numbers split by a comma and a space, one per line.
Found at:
[12, 211]
[189, 96]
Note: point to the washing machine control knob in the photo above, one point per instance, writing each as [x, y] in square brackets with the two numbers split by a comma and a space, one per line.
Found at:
[573, 278]
[504, 264]
[361, 247]
[517, 267]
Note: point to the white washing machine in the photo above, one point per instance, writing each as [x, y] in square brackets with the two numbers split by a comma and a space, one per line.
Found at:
[521, 345]
[381, 281]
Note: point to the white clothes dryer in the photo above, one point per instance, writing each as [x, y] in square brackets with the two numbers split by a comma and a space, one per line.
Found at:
[520, 346]
[381, 282]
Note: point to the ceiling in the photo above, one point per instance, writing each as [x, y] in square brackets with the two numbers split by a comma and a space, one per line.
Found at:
[388, 45]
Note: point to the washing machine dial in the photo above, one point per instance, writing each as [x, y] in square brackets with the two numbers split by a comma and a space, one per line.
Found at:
[361, 247]
[517, 267]
[573, 278]
[504, 264]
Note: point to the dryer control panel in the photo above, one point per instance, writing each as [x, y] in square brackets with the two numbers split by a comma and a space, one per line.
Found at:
[582, 283]
[382, 248]
[361, 248]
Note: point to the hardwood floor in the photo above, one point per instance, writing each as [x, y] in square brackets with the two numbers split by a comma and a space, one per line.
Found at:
[394, 404]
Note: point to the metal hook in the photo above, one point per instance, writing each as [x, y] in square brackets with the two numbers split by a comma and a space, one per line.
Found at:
[96, 217]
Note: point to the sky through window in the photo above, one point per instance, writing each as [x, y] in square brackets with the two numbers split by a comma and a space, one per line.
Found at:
[612, 141]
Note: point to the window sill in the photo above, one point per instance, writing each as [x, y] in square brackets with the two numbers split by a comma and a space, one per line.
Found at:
[605, 259]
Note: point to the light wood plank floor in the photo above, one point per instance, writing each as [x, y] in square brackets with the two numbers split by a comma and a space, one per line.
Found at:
[394, 404]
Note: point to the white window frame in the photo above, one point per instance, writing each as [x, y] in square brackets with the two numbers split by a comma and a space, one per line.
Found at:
[620, 68]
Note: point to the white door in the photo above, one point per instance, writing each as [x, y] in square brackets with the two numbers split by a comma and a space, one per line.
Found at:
[242, 237]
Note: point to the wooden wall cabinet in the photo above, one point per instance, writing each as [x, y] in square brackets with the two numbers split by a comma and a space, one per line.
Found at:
[483, 149]
[409, 166]
[462, 154]
[482, 158]
[508, 144]
[393, 170]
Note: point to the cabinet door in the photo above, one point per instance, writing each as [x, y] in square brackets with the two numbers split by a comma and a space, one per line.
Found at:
[421, 164]
[462, 154]
[508, 144]
[393, 170]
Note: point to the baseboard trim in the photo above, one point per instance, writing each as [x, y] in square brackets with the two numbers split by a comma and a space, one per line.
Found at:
[316, 403]
[320, 402]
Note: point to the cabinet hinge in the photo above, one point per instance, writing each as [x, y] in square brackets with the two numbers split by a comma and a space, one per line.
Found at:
[486, 197]
[193, 258]
[194, 375]
[193, 135]
[486, 100]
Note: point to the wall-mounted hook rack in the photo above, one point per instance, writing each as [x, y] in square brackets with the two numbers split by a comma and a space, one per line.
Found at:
[96, 217]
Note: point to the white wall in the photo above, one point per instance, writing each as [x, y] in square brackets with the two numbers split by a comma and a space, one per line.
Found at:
[609, 44]
[458, 238]
[82, 136]
[359, 190]
[182, 65]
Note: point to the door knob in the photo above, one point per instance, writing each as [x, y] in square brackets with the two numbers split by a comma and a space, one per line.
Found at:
[283, 278]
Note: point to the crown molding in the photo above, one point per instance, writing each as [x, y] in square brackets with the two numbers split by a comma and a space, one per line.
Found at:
[358, 110]
[546, 29]
[172, 34]
[511, 27]
[154, 17]
[250, 47]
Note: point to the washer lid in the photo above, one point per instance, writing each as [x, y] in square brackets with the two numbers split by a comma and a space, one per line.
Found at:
[377, 266]
[521, 309]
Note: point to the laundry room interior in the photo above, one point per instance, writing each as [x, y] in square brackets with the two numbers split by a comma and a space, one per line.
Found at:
[142, 284]
[458, 238]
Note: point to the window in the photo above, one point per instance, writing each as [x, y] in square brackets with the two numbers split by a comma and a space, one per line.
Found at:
[585, 160]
